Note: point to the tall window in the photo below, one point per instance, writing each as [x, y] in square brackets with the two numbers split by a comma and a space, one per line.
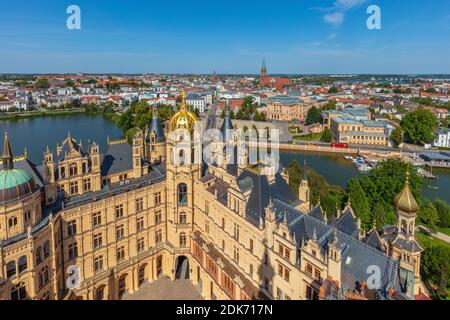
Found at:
[71, 228]
[183, 217]
[182, 194]
[158, 216]
[73, 250]
[43, 277]
[73, 169]
[10, 269]
[87, 184]
[120, 232]
[158, 236]
[98, 240]
[46, 249]
[139, 204]
[12, 222]
[74, 187]
[119, 211]
[23, 264]
[96, 219]
[38, 255]
[98, 263]
[140, 224]
[140, 244]
[158, 198]
[120, 253]
[19, 292]
[183, 240]
[236, 231]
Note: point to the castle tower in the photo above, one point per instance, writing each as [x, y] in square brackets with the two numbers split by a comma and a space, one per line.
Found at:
[49, 178]
[183, 165]
[404, 247]
[155, 140]
[138, 152]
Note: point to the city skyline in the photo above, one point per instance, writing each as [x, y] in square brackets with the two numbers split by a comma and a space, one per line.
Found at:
[305, 37]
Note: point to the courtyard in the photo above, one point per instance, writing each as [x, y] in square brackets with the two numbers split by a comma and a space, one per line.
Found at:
[165, 289]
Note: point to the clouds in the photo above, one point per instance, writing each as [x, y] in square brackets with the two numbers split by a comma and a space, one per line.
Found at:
[338, 10]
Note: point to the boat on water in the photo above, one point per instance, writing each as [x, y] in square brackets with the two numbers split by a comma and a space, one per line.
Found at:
[348, 158]
[433, 187]
[364, 168]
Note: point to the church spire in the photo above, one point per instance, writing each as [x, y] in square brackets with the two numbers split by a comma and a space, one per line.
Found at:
[8, 156]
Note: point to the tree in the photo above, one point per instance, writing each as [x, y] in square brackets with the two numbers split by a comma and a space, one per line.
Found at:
[126, 120]
[428, 215]
[383, 184]
[360, 203]
[326, 135]
[42, 84]
[443, 211]
[397, 136]
[435, 269]
[295, 176]
[313, 116]
[419, 126]
[332, 90]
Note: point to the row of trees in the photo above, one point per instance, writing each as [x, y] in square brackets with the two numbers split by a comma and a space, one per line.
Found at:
[140, 114]
[247, 111]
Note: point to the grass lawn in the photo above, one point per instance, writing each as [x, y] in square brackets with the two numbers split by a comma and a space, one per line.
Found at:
[443, 230]
[309, 137]
[294, 130]
[427, 241]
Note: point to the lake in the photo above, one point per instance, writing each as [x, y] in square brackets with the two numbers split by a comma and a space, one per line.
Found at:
[36, 133]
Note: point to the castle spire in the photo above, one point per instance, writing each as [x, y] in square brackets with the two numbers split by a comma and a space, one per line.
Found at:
[183, 100]
[8, 156]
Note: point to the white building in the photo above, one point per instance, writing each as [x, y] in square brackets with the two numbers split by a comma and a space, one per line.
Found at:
[196, 103]
[442, 138]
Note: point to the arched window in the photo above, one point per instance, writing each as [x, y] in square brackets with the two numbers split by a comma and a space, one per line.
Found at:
[183, 240]
[19, 292]
[11, 269]
[183, 217]
[182, 194]
[23, 264]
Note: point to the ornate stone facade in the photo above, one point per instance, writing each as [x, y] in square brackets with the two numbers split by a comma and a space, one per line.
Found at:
[91, 225]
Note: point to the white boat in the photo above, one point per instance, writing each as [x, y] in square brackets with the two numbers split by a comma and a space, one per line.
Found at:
[348, 158]
[364, 168]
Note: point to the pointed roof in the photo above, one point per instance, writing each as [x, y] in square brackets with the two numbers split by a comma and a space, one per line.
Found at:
[263, 67]
[155, 126]
[226, 124]
[7, 156]
[405, 201]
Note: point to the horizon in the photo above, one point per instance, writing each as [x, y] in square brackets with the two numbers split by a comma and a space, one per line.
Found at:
[305, 37]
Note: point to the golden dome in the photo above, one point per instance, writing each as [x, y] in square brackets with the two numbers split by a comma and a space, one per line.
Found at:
[183, 119]
[405, 201]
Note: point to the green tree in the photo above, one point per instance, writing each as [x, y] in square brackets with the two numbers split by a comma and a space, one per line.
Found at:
[295, 176]
[313, 116]
[360, 203]
[443, 211]
[435, 269]
[428, 215]
[42, 84]
[332, 90]
[419, 126]
[397, 136]
[126, 120]
[326, 135]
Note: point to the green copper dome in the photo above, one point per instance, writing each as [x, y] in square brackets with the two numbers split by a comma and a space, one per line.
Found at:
[15, 184]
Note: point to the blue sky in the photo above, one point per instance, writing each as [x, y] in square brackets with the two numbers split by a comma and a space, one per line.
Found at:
[197, 36]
